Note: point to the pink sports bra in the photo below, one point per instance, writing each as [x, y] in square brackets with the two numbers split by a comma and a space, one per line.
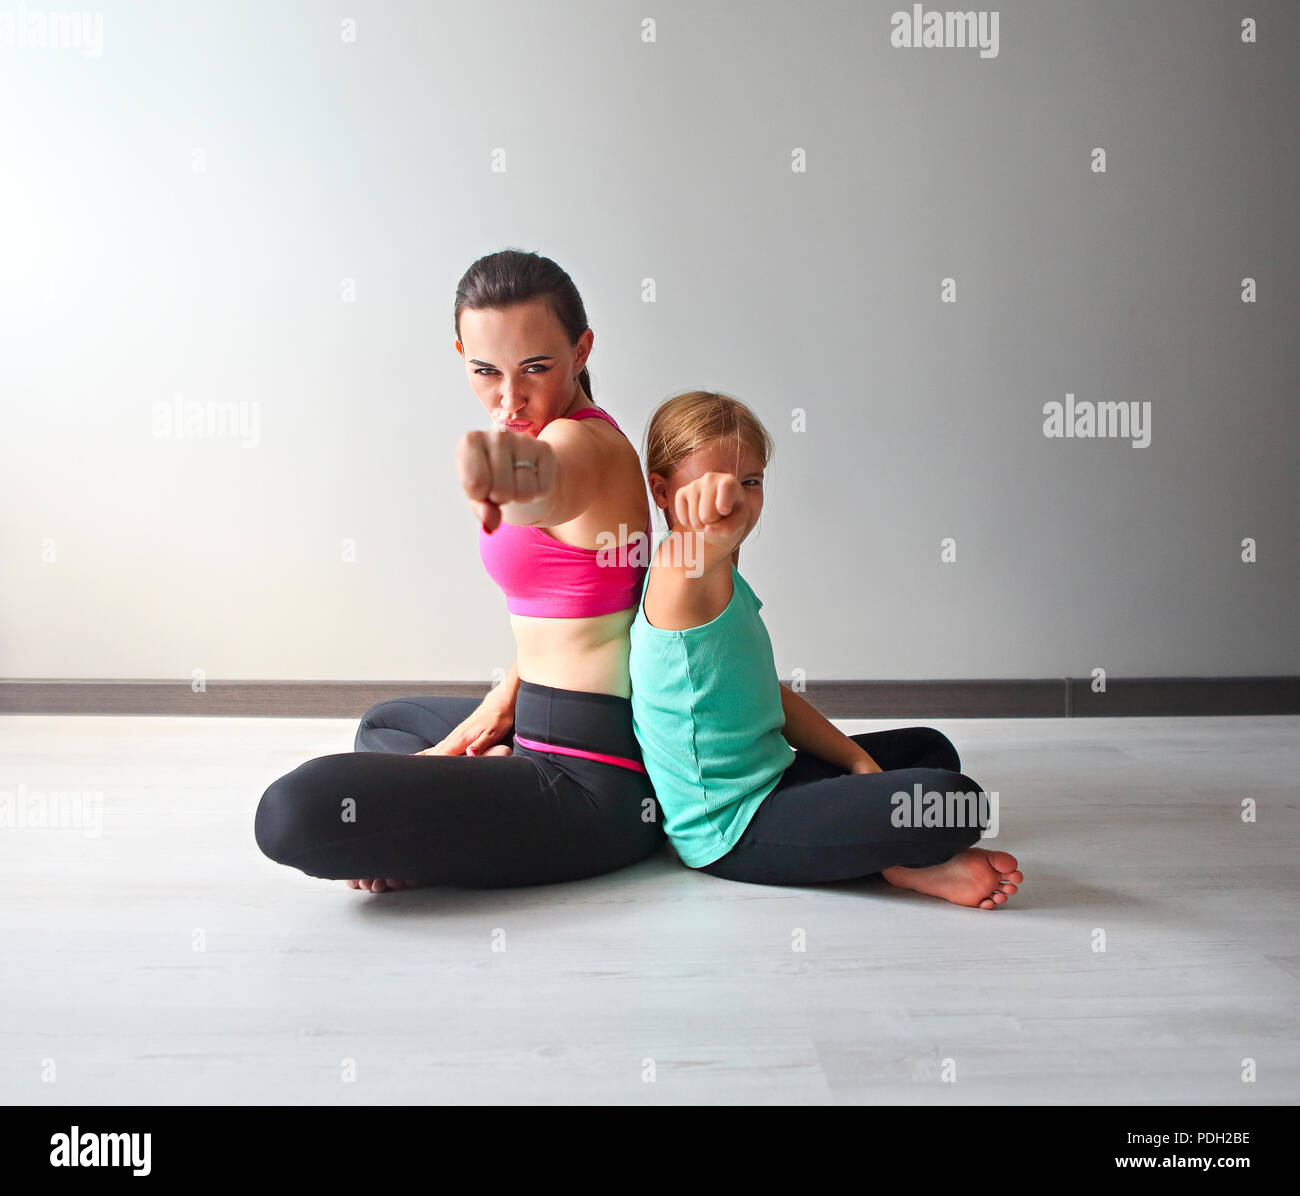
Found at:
[544, 576]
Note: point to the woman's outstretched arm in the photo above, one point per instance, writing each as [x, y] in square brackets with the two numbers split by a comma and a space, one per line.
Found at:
[573, 464]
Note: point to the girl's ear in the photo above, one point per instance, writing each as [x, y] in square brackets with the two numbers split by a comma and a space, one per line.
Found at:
[659, 494]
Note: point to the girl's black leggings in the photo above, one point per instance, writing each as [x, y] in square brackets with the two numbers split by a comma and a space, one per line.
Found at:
[823, 824]
[533, 817]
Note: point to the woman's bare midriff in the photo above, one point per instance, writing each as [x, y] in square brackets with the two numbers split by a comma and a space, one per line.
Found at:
[588, 654]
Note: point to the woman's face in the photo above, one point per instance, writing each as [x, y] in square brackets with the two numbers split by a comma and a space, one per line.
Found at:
[718, 457]
[521, 365]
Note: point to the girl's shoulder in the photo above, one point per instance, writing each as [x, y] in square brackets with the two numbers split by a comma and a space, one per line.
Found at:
[675, 599]
[739, 580]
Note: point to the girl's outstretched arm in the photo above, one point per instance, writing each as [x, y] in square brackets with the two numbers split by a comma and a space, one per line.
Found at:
[808, 730]
[690, 574]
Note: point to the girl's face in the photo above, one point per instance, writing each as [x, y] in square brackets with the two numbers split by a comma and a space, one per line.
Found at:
[521, 366]
[720, 456]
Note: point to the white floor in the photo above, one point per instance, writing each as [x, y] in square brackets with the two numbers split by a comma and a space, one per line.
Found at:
[165, 960]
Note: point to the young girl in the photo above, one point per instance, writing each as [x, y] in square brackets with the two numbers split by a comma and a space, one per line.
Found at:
[754, 783]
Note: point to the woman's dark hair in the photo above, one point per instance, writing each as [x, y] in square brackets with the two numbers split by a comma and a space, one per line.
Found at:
[512, 276]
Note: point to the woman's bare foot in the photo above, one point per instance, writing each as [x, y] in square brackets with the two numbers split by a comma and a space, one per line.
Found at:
[975, 877]
[381, 885]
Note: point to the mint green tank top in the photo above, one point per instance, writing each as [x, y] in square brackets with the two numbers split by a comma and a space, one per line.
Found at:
[706, 709]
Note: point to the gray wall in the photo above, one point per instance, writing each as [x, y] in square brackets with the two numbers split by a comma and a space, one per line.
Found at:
[180, 211]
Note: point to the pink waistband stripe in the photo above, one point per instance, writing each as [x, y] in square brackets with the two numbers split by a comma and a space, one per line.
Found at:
[600, 757]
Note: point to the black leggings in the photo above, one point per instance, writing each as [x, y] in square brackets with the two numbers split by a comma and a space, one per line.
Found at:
[529, 818]
[822, 824]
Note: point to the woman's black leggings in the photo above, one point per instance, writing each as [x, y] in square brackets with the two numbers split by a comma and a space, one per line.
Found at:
[822, 824]
[533, 817]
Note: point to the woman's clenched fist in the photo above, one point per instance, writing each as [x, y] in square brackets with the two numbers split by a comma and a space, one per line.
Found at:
[500, 467]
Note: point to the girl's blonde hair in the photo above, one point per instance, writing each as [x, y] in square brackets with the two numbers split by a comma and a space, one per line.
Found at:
[686, 422]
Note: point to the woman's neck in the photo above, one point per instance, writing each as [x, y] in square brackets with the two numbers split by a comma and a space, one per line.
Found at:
[577, 403]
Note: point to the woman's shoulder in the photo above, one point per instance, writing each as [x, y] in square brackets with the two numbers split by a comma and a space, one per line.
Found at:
[612, 466]
[593, 434]
[592, 415]
[593, 411]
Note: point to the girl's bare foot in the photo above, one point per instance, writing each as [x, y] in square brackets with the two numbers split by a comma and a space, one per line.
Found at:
[974, 877]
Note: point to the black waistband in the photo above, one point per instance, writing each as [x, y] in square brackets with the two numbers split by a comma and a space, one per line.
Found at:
[576, 718]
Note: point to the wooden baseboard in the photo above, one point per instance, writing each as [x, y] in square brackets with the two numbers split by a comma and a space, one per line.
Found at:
[1052, 697]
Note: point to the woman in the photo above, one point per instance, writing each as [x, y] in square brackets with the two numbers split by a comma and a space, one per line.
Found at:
[434, 793]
